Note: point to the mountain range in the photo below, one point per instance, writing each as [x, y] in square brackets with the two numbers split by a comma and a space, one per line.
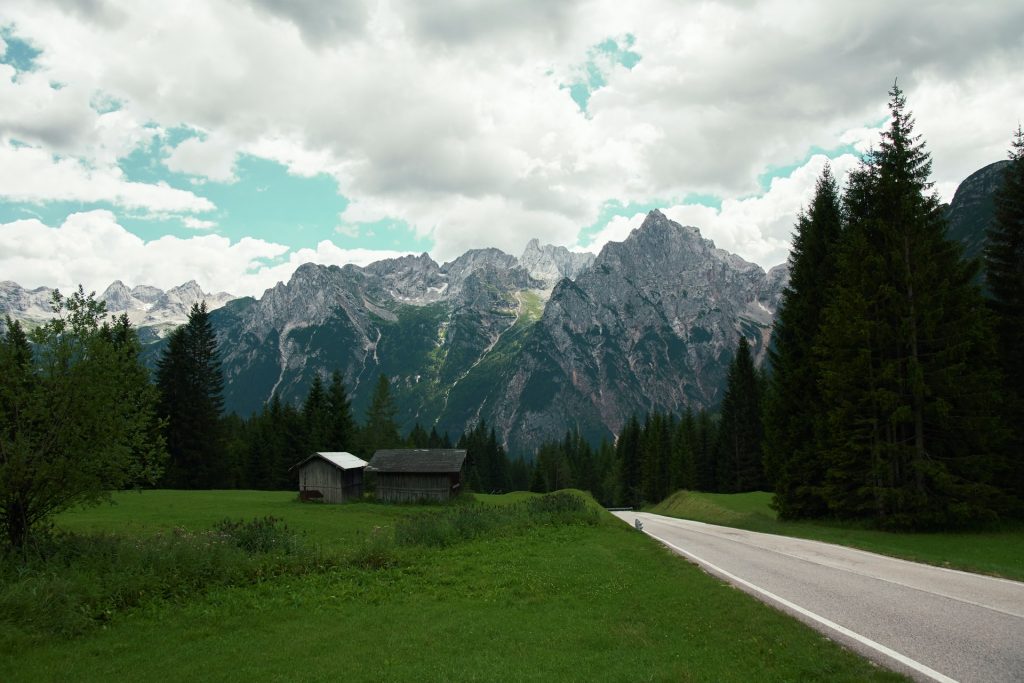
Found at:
[152, 310]
[532, 344]
[535, 344]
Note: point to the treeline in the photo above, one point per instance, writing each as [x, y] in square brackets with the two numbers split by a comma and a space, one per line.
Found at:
[894, 395]
[208, 449]
[666, 452]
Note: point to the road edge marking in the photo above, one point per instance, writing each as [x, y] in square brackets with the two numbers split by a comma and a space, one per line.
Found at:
[863, 640]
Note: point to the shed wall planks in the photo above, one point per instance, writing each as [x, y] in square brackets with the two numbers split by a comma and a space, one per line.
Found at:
[334, 484]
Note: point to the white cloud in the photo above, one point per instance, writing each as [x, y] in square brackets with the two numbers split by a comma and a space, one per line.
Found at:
[451, 115]
[193, 223]
[31, 174]
[92, 249]
[757, 228]
[211, 157]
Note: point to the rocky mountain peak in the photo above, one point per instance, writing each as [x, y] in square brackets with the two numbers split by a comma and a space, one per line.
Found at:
[118, 297]
[551, 263]
[973, 206]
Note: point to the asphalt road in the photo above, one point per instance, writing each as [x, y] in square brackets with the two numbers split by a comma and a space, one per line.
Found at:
[927, 622]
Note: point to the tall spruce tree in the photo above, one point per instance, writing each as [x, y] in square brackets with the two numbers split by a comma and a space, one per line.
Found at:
[192, 399]
[906, 353]
[1004, 271]
[316, 414]
[628, 456]
[740, 458]
[794, 410]
[341, 427]
[381, 431]
[704, 454]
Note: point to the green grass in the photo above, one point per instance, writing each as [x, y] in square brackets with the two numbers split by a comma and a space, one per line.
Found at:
[548, 602]
[999, 552]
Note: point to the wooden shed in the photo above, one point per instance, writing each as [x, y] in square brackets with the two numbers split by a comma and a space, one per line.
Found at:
[409, 475]
[331, 477]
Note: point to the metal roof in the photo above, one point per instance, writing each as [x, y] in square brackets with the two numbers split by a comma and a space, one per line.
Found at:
[340, 459]
[418, 460]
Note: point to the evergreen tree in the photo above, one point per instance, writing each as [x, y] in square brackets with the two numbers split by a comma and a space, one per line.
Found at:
[683, 473]
[418, 437]
[906, 353]
[1004, 268]
[741, 432]
[704, 454]
[627, 453]
[316, 413]
[381, 430]
[794, 411]
[434, 439]
[520, 474]
[192, 399]
[341, 427]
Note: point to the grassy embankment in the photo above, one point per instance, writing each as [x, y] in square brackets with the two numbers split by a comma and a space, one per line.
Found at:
[999, 552]
[498, 592]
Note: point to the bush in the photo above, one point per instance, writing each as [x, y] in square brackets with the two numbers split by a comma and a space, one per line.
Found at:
[466, 522]
[258, 536]
[68, 583]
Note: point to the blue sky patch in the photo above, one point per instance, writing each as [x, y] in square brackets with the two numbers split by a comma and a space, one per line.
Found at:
[764, 180]
[601, 59]
[20, 54]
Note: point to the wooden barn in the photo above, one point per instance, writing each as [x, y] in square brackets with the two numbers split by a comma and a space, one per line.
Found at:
[409, 475]
[331, 477]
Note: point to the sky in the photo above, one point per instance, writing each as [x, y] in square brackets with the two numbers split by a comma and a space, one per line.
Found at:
[231, 141]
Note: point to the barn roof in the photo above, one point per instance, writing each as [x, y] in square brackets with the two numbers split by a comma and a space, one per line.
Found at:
[418, 460]
[340, 459]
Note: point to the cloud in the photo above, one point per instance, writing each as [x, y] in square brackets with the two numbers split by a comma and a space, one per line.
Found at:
[92, 249]
[454, 116]
[29, 174]
[320, 23]
[210, 157]
[757, 228]
[193, 223]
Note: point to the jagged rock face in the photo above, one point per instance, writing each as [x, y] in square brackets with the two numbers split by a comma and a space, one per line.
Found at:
[31, 306]
[652, 324]
[416, 280]
[551, 264]
[972, 208]
[150, 309]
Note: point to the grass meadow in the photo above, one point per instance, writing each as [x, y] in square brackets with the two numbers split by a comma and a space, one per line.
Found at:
[997, 552]
[510, 588]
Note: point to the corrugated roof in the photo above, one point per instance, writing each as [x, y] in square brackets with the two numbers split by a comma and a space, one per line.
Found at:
[340, 459]
[418, 460]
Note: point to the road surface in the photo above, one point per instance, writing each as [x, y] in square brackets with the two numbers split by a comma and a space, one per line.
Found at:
[927, 622]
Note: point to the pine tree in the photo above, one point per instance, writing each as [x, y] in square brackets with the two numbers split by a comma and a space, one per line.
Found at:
[192, 399]
[341, 427]
[628, 455]
[684, 447]
[316, 414]
[417, 437]
[381, 430]
[741, 432]
[794, 413]
[905, 353]
[704, 454]
[1004, 267]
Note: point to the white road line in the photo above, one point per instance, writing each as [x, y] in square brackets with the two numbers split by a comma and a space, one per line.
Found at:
[878, 647]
